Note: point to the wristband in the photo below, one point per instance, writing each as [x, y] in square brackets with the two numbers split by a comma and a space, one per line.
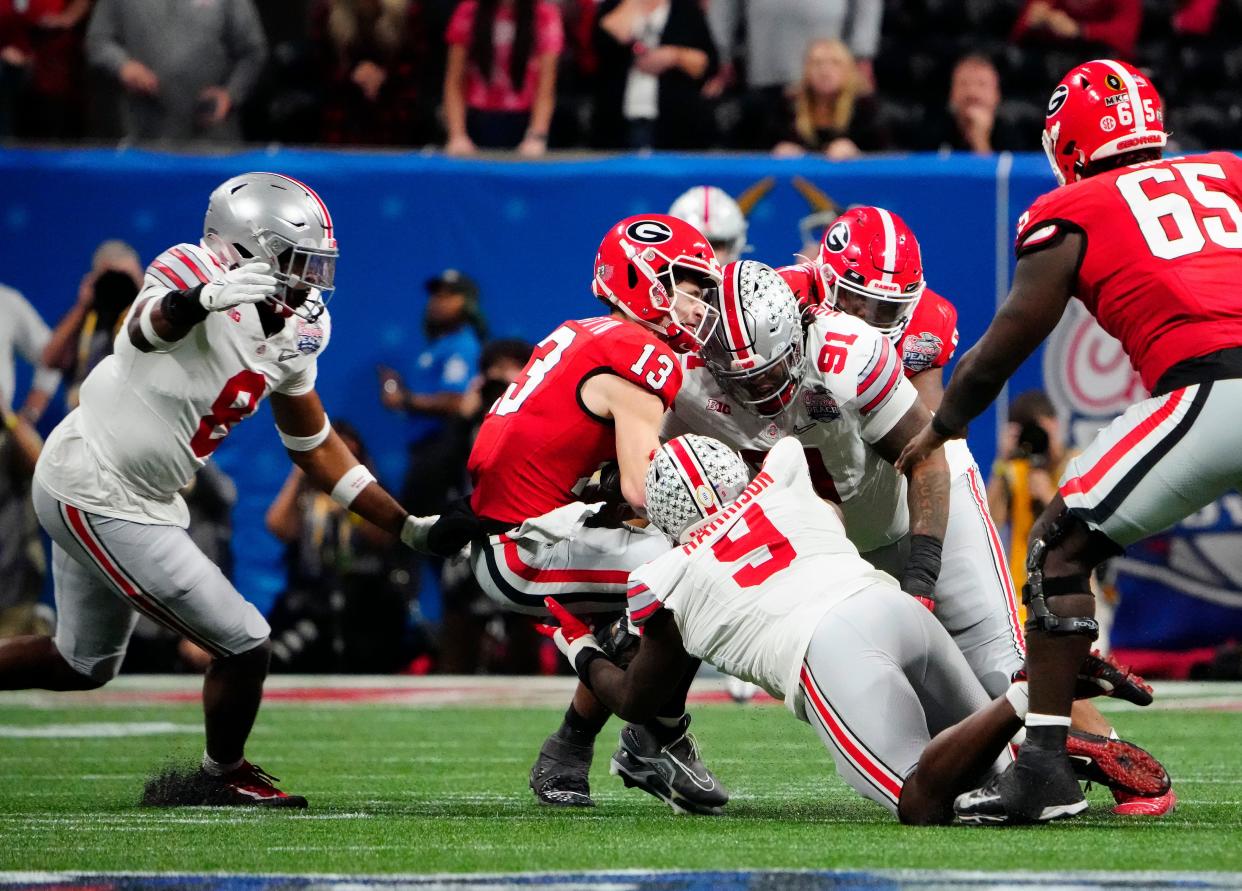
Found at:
[147, 327]
[582, 664]
[306, 443]
[351, 484]
[922, 566]
[184, 309]
[943, 430]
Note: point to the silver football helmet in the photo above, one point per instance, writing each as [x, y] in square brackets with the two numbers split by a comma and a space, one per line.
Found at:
[710, 210]
[756, 352]
[692, 478]
[272, 217]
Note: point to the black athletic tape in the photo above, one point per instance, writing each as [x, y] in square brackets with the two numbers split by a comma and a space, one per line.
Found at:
[183, 309]
[1067, 584]
[582, 665]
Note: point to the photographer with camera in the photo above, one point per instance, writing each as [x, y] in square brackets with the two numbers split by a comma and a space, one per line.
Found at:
[83, 337]
[1024, 479]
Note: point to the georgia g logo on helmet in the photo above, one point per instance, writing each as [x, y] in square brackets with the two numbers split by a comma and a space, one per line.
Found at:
[1057, 99]
[649, 232]
[837, 238]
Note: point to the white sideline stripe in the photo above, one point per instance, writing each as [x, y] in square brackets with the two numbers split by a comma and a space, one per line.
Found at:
[95, 730]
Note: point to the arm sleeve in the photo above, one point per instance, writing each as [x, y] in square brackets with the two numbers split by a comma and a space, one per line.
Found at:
[863, 29]
[249, 47]
[103, 42]
[883, 393]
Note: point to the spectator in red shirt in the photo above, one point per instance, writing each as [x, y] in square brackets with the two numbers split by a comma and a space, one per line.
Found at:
[1113, 24]
[372, 57]
[500, 81]
[41, 66]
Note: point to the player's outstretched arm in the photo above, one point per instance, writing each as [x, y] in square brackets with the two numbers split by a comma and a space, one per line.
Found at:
[162, 317]
[636, 693]
[329, 464]
[1043, 284]
[637, 415]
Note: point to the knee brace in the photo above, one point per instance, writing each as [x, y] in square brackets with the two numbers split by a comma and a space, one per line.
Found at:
[1037, 589]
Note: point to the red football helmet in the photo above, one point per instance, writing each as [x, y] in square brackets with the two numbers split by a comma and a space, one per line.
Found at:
[870, 266]
[640, 268]
[1100, 109]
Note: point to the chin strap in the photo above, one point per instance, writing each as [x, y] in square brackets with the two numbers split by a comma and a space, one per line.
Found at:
[1037, 589]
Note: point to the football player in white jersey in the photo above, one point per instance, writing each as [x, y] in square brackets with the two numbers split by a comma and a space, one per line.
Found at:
[840, 390]
[217, 327]
[765, 585]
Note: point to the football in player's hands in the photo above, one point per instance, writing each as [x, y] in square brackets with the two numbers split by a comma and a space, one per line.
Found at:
[251, 282]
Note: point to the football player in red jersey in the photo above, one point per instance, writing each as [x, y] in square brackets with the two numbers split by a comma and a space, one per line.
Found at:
[594, 392]
[1153, 248]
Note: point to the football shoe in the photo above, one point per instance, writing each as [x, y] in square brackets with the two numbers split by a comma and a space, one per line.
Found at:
[560, 775]
[1037, 788]
[1116, 763]
[673, 772]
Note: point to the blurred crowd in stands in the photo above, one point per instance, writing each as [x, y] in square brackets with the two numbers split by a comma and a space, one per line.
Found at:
[835, 77]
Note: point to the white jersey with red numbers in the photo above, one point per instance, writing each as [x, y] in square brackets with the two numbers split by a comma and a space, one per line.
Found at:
[853, 394]
[748, 589]
[148, 421]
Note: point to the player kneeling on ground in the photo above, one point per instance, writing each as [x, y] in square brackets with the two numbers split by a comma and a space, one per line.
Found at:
[218, 326]
[873, 672]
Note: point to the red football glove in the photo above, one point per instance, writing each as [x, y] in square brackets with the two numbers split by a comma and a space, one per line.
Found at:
[573, 637]
[927, 602]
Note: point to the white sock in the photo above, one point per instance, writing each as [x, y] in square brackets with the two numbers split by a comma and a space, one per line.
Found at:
[216, 769]
[1034, 719]
[1019, 697]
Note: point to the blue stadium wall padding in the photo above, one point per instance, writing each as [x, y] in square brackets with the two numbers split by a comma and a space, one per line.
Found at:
[526, 231]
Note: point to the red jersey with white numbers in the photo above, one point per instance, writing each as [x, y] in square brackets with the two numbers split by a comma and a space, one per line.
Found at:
[930, 336]
[539, 444]
[1162, 265]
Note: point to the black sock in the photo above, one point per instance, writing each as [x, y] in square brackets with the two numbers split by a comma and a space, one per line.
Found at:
[1047, 737]
[579, 730]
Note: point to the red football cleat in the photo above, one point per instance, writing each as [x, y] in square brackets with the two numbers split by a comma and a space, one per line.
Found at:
[252, 785]
[1117, 764]
[1135, 806]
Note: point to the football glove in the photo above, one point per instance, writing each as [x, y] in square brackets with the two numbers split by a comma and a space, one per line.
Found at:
[573, 638]
[248, 283]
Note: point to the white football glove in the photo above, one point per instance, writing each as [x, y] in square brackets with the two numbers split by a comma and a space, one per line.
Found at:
[249, 283]
[415, 530]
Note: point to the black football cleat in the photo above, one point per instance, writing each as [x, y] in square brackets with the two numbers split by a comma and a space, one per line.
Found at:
[1037, 788]
[673, 773]
[560, 775]
[1121, 766]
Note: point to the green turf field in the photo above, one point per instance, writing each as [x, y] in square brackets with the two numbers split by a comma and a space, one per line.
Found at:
[403, 789]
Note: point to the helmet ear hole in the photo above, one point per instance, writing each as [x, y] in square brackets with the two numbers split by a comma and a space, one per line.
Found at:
[242, 252]
[631, 275]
